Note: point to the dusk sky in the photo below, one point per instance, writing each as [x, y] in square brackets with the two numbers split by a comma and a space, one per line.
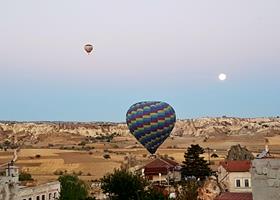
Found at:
[164, 50]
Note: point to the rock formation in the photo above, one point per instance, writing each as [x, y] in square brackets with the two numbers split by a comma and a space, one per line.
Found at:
[237, 152]
[209, 190]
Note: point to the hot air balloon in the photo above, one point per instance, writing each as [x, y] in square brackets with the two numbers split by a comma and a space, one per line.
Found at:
[88, 48]
[151, 122]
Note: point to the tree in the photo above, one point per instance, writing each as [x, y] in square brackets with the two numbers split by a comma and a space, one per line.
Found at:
[72, 188]
[25, 177]
[194, 165]
[124, 185]
[189, 191]
[153, 194]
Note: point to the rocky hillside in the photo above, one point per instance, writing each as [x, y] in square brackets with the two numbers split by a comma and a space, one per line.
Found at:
[227, 126]
[202, 127]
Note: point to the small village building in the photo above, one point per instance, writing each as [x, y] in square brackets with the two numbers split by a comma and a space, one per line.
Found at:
[235, 176]
[162, 170]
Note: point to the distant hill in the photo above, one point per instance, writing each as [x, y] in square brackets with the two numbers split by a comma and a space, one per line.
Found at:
[201, 127]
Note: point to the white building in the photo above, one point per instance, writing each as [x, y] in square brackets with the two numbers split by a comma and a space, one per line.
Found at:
[235, 176]
[10, 188]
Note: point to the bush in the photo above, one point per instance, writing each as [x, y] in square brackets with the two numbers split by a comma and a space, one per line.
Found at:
[83, 143]
[50, 145]
[115, 146]
[25, 177]
[58, 172]
[106, 156]
[37, 156]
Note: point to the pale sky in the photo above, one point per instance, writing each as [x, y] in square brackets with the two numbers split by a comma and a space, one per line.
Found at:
[170, 51]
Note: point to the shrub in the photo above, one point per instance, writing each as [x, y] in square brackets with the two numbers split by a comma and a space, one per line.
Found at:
[83, 143]
[25, 177]
[58, 172]
[50, 145]
[106, 156]
[37, 156]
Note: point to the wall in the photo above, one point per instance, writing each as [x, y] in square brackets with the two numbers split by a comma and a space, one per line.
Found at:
[48, 190]
[266, 179]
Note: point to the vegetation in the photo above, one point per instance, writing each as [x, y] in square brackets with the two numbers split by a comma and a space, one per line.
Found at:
[25, 177]
[72, 188]
[194, 165]
[123, 185]
[189, 191]
[106, 156]
[37, 156]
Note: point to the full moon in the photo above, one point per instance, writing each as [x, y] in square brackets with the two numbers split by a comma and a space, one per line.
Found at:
[222, 77]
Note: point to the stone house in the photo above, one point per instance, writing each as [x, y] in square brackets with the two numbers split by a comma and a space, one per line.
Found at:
[235, 176]
[162, 170]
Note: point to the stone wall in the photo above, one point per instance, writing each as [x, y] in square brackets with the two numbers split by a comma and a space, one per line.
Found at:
[266, 179]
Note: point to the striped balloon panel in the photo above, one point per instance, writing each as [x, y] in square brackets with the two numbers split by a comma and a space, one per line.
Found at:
[151, 123]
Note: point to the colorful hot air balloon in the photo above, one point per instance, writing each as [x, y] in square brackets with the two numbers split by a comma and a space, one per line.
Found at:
[151, 123]
[88, 48]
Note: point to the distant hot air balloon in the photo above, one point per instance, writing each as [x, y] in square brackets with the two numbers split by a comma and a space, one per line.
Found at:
[151, 123]
[88, 48]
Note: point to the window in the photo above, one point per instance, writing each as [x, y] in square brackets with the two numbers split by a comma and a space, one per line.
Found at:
[30, 198]
[37, 198]
[43, 197]
[246, 183]
[50, 196]
[54, 195]
[237, 183]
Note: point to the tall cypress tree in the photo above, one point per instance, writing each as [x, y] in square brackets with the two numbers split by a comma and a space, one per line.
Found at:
[194, 165]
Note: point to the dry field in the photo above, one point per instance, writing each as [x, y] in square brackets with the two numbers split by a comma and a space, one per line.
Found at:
[94, 166]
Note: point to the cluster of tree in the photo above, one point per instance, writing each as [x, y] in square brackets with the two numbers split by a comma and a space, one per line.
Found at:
[124, 185]
[72, 188]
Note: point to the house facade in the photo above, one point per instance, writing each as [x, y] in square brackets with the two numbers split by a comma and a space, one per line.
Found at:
[235, 176]
[162, 170]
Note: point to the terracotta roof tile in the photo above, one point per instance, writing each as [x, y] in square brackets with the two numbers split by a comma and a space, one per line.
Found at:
[235, 196]
[160, 165]
[236, 165]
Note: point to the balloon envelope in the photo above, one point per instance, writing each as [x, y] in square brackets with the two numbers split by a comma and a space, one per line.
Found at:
[88, 48]
[151, 122]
